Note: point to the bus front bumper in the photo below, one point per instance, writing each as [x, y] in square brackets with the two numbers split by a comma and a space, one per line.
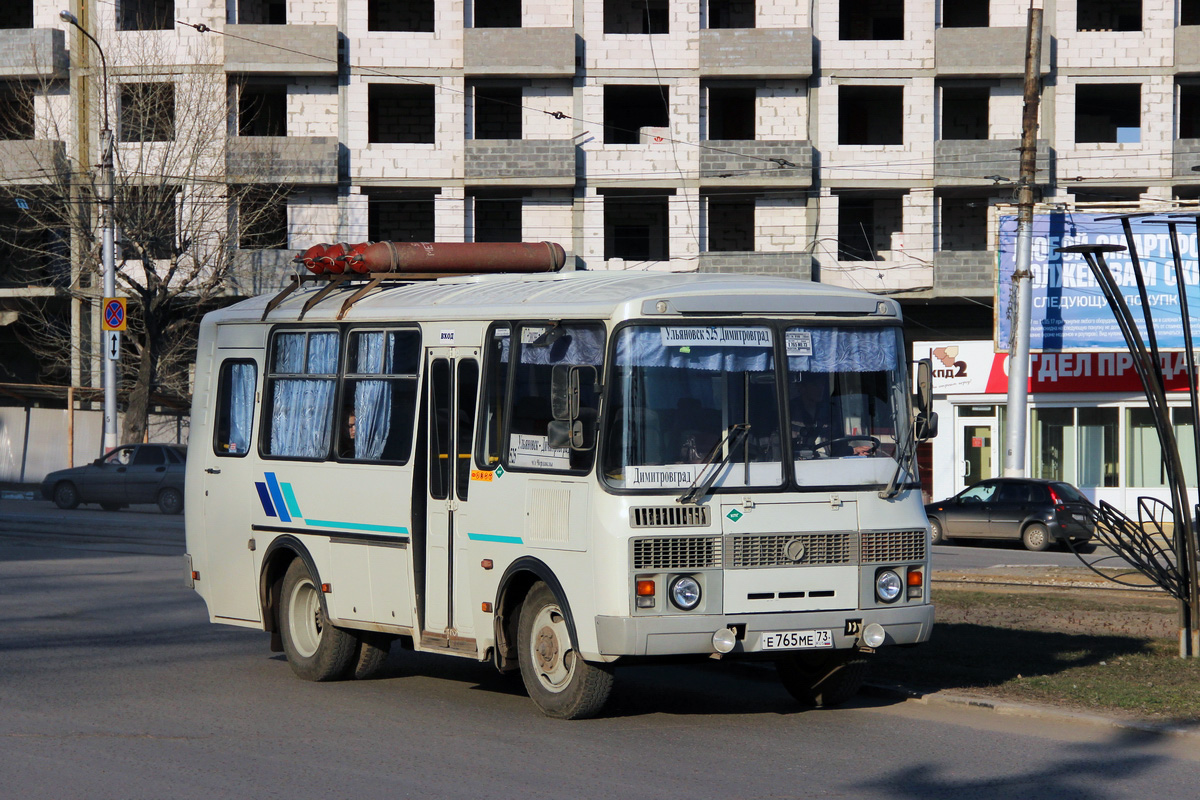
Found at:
[683, 634]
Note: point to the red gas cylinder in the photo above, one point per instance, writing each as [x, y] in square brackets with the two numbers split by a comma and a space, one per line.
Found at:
[308, 258]
[353, 258]
[471, 257]
[332, 261]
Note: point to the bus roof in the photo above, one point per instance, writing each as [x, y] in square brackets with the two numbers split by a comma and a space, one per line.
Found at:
[577, 294]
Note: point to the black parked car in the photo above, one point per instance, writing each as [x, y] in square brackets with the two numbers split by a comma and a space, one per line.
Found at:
[1038, 512]
[131, 473]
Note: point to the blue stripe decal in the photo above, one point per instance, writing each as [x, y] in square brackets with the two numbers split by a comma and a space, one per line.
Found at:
[290, 497]
[488, 537]
[356, 526]
[265, 498]
[277, 496]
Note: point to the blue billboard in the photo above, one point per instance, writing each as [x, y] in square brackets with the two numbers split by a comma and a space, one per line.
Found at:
[1069, 310]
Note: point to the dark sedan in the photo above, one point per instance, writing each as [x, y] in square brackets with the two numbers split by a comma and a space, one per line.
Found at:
[131, 473]
[1038, 512]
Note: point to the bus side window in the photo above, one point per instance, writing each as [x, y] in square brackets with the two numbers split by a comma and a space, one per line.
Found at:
[235, 408]
[493, 401]
[298, 418]
[379, 395]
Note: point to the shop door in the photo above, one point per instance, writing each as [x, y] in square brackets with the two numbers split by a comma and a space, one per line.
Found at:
[976, 451]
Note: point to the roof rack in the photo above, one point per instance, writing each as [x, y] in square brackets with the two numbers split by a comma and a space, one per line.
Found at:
[368, 280]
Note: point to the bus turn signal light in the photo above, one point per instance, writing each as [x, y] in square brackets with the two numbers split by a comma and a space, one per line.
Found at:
[916, 584]
[645, 588]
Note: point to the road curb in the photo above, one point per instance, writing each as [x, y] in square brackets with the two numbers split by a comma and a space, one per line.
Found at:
[1014, 709]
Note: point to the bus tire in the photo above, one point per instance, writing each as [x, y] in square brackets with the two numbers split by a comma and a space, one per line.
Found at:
[373, 650]
[560, 683]
[315, 649]
[822, 679]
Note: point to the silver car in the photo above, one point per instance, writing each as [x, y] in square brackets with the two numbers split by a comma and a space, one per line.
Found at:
[131, 473]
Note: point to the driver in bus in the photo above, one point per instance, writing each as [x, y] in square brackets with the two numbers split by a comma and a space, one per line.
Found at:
[813, 431]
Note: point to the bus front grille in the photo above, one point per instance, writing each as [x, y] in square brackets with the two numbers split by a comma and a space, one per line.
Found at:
[787, 549]
[669, 517]
[682, 552]
[879, 547]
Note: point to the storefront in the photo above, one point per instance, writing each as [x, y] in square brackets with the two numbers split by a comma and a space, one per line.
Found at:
[1089, 423]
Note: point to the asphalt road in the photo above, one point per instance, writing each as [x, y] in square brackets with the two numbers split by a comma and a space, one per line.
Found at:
[114, 685]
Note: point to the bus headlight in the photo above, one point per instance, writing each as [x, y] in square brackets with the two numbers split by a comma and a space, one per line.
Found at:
[685, 592]
[888, 586]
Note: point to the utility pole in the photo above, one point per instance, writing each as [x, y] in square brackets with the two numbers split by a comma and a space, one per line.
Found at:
[1022, 289]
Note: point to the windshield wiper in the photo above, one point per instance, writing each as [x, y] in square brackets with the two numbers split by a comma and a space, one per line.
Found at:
[907, 456]
[699, 489]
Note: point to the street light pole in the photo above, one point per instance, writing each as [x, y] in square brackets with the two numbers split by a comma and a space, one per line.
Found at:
[108, 227]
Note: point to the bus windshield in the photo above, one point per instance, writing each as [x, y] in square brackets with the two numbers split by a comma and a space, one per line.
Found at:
[830, 408]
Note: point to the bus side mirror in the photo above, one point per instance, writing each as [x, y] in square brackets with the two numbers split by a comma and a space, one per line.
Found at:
[574, 424]
[924, 385]
[927, 425]
[564, 392]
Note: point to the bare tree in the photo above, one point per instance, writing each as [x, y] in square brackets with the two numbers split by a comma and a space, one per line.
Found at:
[177, 216]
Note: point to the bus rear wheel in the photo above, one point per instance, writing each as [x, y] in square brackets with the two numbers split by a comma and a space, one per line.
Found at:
[315, 649]
[560, 683]
[822, 679]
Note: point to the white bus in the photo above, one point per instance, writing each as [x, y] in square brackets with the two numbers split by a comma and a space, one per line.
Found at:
[561, 473]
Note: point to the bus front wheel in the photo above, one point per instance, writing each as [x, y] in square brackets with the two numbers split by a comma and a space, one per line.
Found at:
[315, 649]
[560, 683]
[822, 679]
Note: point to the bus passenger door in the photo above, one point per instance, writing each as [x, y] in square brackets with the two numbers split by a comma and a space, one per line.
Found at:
[452, 386]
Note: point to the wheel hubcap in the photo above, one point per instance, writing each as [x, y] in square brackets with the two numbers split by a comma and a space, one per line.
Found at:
[553, 658]
[304, 613]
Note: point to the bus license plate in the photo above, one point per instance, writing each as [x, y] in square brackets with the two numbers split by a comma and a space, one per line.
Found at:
[797, 640]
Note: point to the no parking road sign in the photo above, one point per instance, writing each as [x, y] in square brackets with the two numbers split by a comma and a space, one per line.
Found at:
[114, 314]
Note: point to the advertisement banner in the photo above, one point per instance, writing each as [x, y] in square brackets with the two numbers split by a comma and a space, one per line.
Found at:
[1070, 312]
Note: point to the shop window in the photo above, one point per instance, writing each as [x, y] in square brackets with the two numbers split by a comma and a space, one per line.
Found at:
[731, 112]
[17, 14]
[1108, 15]
[1181, 421]
[636, 16]
[965, 112]
[497, 14]
[400, 15]
[871, 115]
[497, 219]
[147, 112]
[636, 227]
[866, 226]
[731, 13]
[1053, 444]
[1108, 112]
[262, 12]
[16, 111]
[1098, 447]
[145, 15]
[957, 14]
[262, 109]
[730, 223]
[629, 109]
[871, 19]
[400, 114]
[405, 217]
[498, 112]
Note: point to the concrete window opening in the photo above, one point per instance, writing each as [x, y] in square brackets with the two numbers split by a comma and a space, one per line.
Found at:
[400, 15]
[867, 226]
[1108, 112]
[262, 109]
[145, 15]
[963, 222]
[262, 12]
[19, 14]
[957, 14]
[1189, 12]
[146, 222]
[400, 217]
[1130, 195]
[16, 111]
[497, 219]
[965, 112]
[871, 115]
[1108, 15]
[870, 19]
[629, 109]
[730, 223]
[636, 16]
[636, 227]
[400, 114]
[1189, 112]
[497, 14]
[731, 112]
[32, 250]
[498, 112]
[262, 220]
[147, 112]
[731, 14]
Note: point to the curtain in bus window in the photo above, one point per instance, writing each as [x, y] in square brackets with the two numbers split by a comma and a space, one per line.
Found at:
[373, 398]
[241, 406]
[841, 349]
[302, 409]
[574, 345]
